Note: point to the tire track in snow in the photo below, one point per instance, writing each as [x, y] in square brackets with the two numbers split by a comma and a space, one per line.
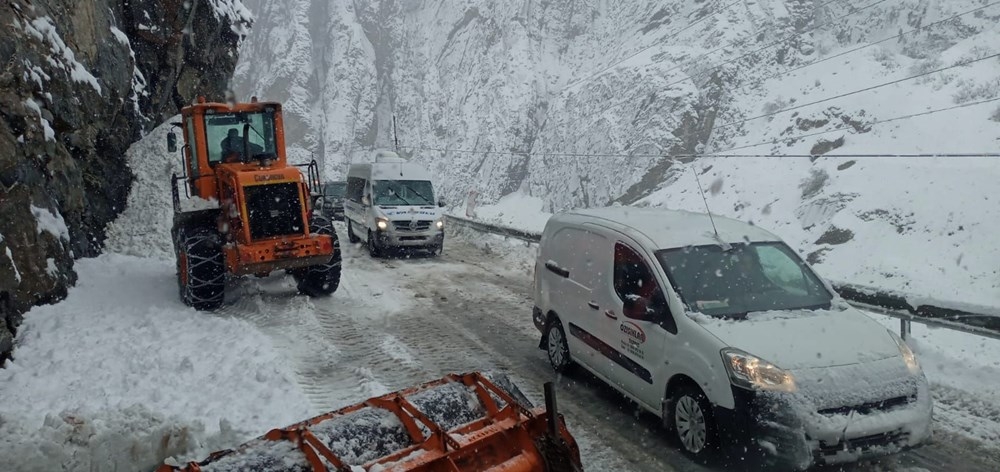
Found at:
[290, 320]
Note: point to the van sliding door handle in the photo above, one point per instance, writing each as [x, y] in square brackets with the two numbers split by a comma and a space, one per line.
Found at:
[555, 269]
[593, 305]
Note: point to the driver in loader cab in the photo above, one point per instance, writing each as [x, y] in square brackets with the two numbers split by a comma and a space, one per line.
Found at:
[232, 147]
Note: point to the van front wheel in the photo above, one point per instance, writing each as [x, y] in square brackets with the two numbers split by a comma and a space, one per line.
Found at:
[556, 347]
[373, 249]
[689, 417]
[353, 238]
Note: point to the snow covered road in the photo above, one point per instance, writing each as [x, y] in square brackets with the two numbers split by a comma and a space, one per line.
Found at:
[121, 374]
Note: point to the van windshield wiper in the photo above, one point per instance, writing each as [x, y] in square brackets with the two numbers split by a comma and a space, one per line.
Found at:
[425, 199]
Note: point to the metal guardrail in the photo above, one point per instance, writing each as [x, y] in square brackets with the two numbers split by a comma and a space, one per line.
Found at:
[528, 236]
[953, 316]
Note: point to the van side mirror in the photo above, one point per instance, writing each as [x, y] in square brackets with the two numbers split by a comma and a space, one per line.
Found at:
[637, 308]
[653, 310]
[366, 201]
[441, 202]
[171, 141]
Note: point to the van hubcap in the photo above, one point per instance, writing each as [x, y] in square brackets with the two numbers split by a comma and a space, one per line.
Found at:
[557, 354]
[690, 422]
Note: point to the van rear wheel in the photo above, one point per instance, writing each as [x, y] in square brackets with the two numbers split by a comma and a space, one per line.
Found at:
[556, 347]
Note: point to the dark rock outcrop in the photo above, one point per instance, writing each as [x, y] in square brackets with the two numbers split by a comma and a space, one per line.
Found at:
[80, 80]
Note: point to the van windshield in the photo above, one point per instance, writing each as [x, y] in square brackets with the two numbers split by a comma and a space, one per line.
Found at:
[743, 279]
[403, 192]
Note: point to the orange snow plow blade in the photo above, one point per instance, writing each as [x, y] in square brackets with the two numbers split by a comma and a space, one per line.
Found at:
[469, 422]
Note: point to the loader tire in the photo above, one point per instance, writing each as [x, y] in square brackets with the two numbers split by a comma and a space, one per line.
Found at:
[201, 269]
[322, 279]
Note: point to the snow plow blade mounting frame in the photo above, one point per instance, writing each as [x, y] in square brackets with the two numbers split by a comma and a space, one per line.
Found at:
[433, 423]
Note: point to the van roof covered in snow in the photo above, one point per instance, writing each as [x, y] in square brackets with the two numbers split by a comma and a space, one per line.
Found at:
[388, 165]
[673, 228]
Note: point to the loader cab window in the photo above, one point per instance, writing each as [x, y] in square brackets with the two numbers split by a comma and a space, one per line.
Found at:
[225, 133]
[190, 150]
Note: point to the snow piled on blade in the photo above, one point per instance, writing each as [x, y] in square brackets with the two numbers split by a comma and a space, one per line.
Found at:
[449, 405]
[263, 456]
[363, 435]
[132, 377]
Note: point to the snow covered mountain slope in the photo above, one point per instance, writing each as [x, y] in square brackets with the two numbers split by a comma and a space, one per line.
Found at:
[630, 78]
[578, 101]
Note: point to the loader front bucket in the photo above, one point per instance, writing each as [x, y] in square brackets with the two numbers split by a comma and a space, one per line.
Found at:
[468, 422]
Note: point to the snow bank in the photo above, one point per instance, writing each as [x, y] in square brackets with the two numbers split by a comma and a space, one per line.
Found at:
[143, 229]
[516, 210]
[121, 379]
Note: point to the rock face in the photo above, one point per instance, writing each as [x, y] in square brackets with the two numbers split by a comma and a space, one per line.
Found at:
[80, 80]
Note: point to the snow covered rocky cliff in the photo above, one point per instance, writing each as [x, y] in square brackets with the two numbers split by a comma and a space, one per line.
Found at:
[79, 82]
[577, 103]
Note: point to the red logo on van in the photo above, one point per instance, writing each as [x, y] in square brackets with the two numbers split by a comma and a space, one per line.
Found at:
[633, 331]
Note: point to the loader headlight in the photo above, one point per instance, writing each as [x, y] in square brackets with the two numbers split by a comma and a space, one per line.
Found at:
[908, 356]
[751, 372]
[439, 224]
[382, 224]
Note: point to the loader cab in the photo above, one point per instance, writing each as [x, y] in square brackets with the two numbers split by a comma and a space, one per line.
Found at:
[244, 136]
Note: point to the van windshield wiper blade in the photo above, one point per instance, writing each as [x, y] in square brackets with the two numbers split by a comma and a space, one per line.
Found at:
[416, 193]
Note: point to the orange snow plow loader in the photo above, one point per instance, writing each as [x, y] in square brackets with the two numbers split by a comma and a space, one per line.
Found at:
[469, 422]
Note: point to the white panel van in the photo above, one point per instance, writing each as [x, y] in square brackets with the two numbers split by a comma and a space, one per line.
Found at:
[390, 204]
[727, 335]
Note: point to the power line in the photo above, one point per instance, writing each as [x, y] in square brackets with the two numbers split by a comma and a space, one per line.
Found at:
[737, 148]
[855, 92]
[874, 123]
[655, 43]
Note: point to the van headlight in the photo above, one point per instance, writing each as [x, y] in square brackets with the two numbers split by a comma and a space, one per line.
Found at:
[751, 372]
[382, 224]
[908, 356]
[439, 224]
